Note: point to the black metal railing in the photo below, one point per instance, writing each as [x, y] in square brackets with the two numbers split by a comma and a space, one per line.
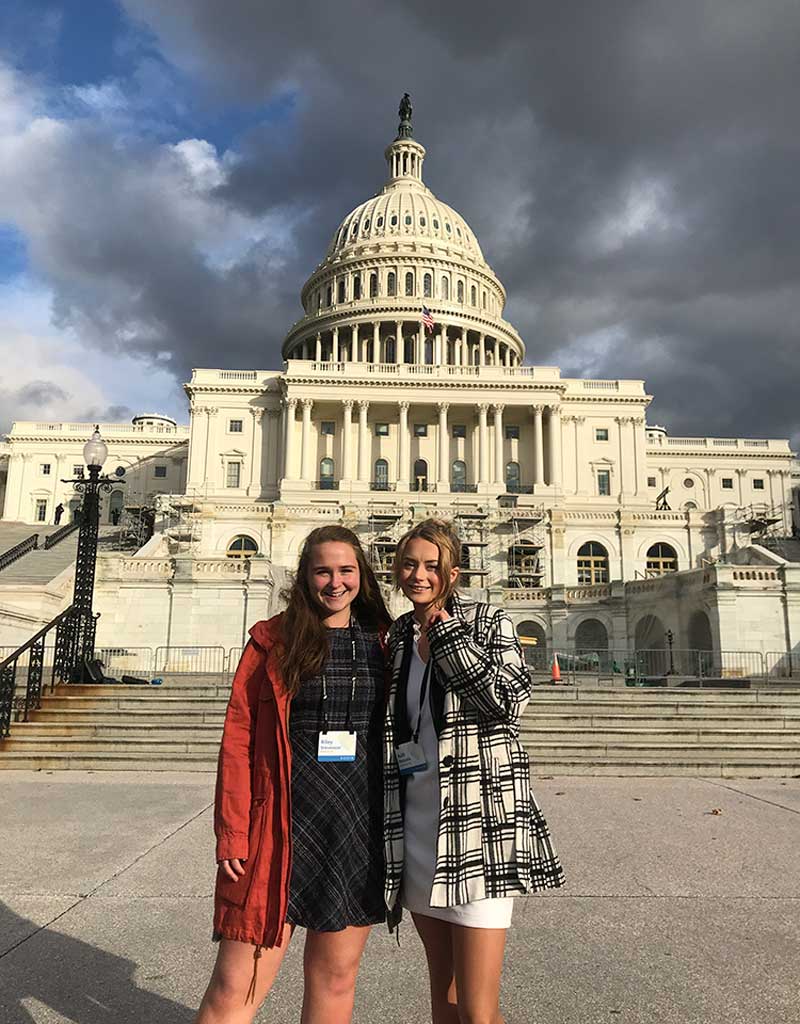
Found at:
[32, 656]
[463, 488]
[57, 536]
[29, 544]
[519, 488]
[379, 485]
[327, 484]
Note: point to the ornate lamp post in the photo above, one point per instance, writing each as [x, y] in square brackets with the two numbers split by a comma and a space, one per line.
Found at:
[83, 626]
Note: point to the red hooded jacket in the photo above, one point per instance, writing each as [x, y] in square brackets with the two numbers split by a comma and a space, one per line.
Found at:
[252, 809]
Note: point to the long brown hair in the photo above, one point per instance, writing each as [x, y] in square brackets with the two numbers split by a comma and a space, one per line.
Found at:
[304, 649]
[444, 536]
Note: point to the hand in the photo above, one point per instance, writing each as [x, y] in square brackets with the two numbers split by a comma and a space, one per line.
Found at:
[440, 615]
[233, 868]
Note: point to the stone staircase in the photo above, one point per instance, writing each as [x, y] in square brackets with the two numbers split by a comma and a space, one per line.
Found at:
[41, 566]
[567, 730]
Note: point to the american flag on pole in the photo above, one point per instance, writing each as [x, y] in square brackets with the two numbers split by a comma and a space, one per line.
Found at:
[427, 320]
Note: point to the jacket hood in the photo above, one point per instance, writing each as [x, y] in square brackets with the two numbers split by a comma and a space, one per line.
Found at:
[267, 631]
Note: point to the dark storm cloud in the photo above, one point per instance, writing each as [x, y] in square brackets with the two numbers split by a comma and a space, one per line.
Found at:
[40, 392]
[629, 168]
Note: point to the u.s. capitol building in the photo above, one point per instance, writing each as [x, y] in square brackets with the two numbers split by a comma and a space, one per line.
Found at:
[572, 507]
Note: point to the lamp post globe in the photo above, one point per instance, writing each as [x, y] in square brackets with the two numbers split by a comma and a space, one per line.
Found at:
[95, 451]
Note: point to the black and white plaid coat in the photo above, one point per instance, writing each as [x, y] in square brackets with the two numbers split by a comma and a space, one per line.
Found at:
[493, 839]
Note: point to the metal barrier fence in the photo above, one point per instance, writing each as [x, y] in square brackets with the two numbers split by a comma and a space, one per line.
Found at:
[200, 661]
[782, 665]
[129, 661]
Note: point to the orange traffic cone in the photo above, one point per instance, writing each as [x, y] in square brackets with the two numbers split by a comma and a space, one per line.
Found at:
[555, 675]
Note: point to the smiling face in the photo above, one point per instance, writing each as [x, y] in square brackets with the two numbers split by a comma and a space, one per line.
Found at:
[333, 580]
[420, 576]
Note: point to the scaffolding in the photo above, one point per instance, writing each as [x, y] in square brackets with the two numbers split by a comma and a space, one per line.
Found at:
[383, 533]
[471, 526]
[526, 542]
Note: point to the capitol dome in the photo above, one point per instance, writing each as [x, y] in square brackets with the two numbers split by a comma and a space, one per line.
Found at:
[399, 252]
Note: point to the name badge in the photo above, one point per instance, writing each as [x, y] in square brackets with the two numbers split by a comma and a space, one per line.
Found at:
[336, 746]
[410, 758]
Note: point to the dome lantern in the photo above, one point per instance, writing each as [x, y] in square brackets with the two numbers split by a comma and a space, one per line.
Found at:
[405, 155]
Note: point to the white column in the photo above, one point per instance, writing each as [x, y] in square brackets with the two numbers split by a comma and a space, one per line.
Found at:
[254, 487]
[554, 437]
[347, 440]
[403, 448]
[399, 345]
[538, 447]
[273, 448]
[499, 462]
[482, 350]
[483, 446]
[444, 448]
[211, 414]
[363, 443]
[507, 355]
[376, 341]
[335, 353]
[464, 349]
[307, 466]
[288, 438]
[318, 352]
[354, 344]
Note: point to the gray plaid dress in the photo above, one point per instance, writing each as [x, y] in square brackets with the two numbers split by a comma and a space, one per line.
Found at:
[493, 840]
[337, 838]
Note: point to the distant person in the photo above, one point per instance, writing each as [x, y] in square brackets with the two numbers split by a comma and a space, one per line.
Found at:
[58, 513]
[318, 866]
[463, 832]
[115, 516]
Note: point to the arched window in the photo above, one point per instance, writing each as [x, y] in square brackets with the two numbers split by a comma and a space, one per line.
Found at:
[460, 291]
[420, 481]
[591, 635]
[473, 295]
[115, 504]
[381, 478]
[326, 481]
[427, 286]
[512, 478]
[592, 563]
[391, 283]
[340, 291]
[393, 221]
[328, 296]
[241, 547]
[357, 286]
[409, 283]
[661, 559]
[533, 639]
[373, 286]
[408, 219]
[445, 288]
[379, 222]
[458, 476]
[390, 353]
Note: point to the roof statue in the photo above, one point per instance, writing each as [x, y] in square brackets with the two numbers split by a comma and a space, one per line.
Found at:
[405, 130]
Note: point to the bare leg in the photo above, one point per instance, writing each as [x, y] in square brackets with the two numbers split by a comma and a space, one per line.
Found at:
[330, 967]
[225, 1001]
[437, 940]
[478, 964]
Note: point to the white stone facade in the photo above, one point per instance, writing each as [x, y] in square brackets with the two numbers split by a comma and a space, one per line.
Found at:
[376, 422]
[152, 450]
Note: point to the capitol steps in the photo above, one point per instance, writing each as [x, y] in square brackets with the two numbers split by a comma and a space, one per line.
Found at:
[567, 731]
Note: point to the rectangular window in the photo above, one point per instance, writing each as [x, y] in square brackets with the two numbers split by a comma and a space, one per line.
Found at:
[758, 484]
[459, 430]
[512, 432]
[233, 474]
[651, 481]
[45, 469]
[235, 426]
[604, 482]
[601, 434]
[327, 427]
[77, 471]
[727, 483]
[41, 510]
[161, 472]
[420, 430]
[381, 429]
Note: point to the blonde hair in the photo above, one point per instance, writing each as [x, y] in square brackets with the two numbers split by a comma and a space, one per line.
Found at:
[444, 536]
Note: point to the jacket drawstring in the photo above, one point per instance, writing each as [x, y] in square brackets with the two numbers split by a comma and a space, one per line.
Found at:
[251, 992]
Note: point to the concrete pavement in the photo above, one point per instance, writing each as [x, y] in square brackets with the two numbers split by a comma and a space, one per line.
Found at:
[673, 913]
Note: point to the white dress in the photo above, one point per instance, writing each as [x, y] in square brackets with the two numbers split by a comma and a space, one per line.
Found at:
[421, 826]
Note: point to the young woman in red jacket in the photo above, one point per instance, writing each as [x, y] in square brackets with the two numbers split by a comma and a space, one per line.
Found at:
[298, 812]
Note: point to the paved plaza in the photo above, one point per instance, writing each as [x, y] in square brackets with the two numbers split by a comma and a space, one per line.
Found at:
[682, 906]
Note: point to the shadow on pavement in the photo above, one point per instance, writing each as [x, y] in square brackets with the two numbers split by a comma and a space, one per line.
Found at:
[78, 981]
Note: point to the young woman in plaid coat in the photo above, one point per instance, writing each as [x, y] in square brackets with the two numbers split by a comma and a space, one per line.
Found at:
[463, 833]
